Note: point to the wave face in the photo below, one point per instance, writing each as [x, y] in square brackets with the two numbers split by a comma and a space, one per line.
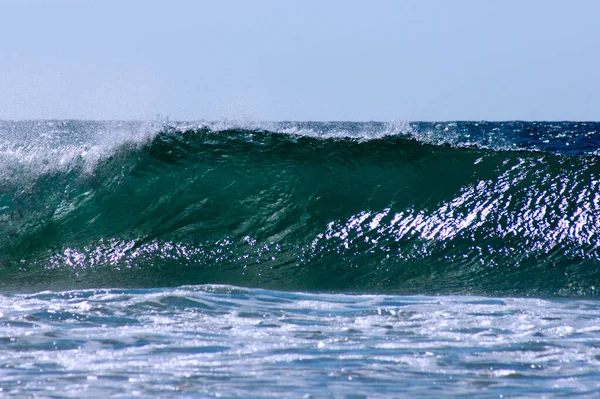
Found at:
[507, 208]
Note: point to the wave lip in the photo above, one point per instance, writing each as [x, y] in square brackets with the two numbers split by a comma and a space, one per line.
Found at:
[461, 207]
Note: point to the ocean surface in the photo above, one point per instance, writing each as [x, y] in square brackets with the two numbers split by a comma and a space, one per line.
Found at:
[299, 260]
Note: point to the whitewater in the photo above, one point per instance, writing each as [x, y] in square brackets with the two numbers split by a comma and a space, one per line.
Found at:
[299, 259]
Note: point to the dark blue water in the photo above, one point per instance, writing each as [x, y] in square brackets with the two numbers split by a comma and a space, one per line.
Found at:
[299, 259]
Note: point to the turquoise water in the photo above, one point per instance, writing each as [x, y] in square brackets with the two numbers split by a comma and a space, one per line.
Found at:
[299, 260]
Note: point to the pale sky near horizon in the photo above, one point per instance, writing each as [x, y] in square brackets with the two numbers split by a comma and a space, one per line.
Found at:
[300, 60]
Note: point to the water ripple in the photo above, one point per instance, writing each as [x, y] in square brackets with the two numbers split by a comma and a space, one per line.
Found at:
[209, 341]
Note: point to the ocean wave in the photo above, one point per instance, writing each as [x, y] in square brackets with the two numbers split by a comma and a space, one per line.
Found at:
[321, 207]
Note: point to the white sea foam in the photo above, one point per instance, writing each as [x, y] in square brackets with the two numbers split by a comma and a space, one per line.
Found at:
[222, 341]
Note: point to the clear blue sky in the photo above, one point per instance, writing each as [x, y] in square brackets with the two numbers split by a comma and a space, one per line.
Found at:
[300, 60]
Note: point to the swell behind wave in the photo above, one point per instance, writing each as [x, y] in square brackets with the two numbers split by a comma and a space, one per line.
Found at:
[287, 211]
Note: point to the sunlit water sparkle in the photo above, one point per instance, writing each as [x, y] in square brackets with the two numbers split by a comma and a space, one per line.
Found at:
[477, 242]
